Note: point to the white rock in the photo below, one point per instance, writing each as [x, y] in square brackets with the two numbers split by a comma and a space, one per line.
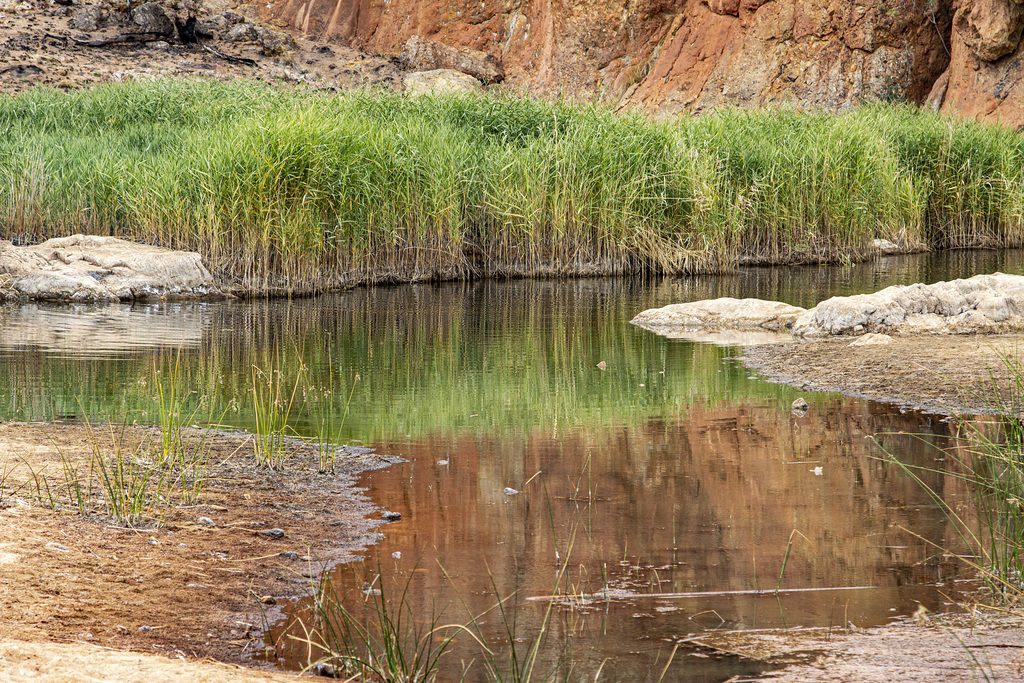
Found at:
[740, 314]
[94, 268]
[872, 339]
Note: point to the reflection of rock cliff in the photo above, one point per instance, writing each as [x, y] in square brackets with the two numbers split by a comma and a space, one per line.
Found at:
[673, 55]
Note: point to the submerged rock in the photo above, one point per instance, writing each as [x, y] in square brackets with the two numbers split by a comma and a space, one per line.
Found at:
[94, 268]
[981, 304]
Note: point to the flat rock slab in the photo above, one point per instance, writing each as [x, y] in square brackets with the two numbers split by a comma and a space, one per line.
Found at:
[95, 268]
[725, 313]
[983, 304]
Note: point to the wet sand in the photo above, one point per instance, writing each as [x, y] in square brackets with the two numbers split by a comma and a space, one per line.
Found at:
[946, 374]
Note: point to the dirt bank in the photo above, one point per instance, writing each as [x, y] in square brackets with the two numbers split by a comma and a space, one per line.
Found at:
[182, 589]
[979, 647]
[947, 374]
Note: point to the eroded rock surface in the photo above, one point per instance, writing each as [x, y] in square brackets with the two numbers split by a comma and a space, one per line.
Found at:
[982, 304]
[94, 268]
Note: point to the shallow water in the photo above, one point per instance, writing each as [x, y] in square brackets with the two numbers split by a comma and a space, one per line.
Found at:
[671, 472]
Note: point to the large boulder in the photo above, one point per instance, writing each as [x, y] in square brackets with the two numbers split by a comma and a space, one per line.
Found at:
[422, 54]
[152, 18]
[441, 82]
[93, 268]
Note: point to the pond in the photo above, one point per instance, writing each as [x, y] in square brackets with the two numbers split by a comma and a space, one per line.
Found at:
[669, 485]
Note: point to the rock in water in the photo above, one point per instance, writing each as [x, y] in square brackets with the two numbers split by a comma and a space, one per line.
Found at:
[94, 268]
[982, 304]
[799, 407]
[737, 314]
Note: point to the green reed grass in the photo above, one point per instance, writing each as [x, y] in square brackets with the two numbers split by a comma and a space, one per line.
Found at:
[134, 487]
[990, 459]
[272, 405]
[184, 445]
[378, 639]
[297, 191]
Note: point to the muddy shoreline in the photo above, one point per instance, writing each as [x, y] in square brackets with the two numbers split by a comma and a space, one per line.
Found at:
[201, 584]
[943, 374]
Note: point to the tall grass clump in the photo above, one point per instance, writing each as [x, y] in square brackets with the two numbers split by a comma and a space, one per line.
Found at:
[373, 638]
[288, 190]
[990, 459]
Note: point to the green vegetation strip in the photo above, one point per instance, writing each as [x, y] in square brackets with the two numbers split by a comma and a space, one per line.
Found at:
[293, 190]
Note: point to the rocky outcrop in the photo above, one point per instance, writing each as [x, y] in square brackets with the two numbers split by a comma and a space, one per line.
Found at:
[667, 56]
[737, 314]
[421, 54]
[92, 268]
[981, 304]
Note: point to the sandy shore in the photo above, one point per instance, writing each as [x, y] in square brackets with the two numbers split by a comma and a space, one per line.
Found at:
[945, 374]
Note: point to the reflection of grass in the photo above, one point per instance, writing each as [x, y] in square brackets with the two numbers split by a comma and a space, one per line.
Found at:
[522, 365]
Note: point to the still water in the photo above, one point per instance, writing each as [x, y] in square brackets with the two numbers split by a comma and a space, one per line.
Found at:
[669, 485]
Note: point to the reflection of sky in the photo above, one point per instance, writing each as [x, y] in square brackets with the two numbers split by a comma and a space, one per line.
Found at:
[102, 329]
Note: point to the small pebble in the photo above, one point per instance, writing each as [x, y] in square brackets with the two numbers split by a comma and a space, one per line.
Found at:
[389, 516]
[272, 533]
[206, 521]
[290, 555]
[509, 491]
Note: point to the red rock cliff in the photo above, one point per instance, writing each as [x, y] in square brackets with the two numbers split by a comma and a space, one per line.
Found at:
[675, 55]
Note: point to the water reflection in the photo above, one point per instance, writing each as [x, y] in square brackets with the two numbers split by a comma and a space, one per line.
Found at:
[702, 504]
[671, 470]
